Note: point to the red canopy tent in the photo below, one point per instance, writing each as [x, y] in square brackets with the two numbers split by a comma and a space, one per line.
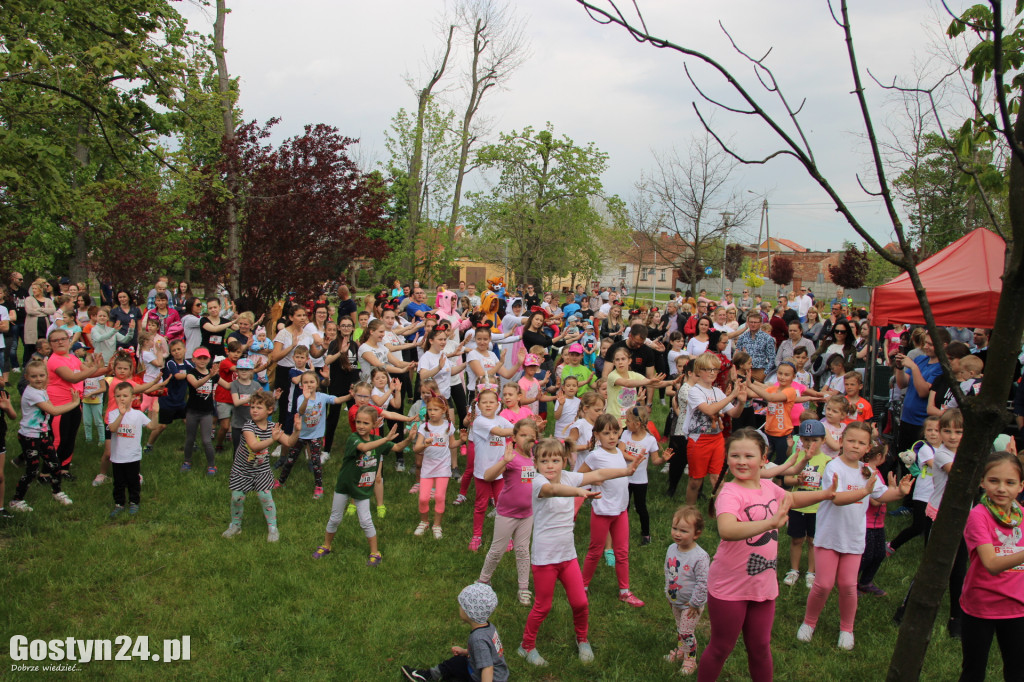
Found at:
[962, 281]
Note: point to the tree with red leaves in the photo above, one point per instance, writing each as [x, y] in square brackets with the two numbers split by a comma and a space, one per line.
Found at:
[852, 269]
[137, 239]
[782, 270]
[305, 210]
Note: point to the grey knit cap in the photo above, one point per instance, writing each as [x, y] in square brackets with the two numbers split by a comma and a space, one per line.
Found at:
[478, 601]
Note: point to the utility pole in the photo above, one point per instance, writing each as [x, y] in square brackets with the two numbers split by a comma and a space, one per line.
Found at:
[725, 245]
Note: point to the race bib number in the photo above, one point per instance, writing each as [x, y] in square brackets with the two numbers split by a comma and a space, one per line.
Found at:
[366, 479]
[216, 340]
[528, 474]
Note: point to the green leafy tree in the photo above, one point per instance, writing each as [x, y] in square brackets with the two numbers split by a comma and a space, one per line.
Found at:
[547, 205]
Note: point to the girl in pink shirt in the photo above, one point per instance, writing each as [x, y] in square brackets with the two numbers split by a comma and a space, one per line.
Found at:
[993, 594]
[742, 581]
[513, 522]
[511, 395]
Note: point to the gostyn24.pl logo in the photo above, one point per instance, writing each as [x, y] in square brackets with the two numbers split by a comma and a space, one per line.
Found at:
[122, 648]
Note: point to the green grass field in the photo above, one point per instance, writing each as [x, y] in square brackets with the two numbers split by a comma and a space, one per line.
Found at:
[256, 610]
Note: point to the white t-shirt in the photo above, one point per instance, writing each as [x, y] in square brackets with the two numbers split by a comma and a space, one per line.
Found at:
[126, 444]
[673, 355]
[553, 522]
[365, 368]
[34, 422]
[925, 483]
[311, 330]
[489, 447]
[586, 432]
[443, 377]
[725, 329]
[647, 446]
[696, 422]
[5, 316]
[437, 458]
[614, 492]
[943, 456]
[570, 409]
[695, 347]
[488, 360]
[151, 371]
[284, 337]
[842, 529]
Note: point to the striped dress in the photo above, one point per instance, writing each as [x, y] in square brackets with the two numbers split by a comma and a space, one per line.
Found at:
[252, 474]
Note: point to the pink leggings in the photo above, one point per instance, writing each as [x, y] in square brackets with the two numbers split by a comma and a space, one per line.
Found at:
[600, 526]
[728, 619]
[832, 567]
[485, 490]
[544, 577]
[467, 475]
[426, 485]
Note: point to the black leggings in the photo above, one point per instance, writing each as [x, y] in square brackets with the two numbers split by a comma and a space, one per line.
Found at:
[283, 382]
[677, 464]
[460, 401]
[455, 668]
[921, 525]
[38, 452]
[638, 498]
[67, 424]
[874, 553]
[977, 640]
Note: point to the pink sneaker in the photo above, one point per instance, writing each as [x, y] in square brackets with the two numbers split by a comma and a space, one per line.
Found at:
[414, 489]
[630, 598]
[475, 543]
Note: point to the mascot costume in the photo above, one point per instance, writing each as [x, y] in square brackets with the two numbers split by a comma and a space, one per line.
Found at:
[492, 302]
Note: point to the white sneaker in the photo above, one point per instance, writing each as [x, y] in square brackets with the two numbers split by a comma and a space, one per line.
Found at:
[792, 575]
[491, 514]
[18, 506]
[809, 580]
[421, 528]
[686, 470]
[586, 652]
[276, 452]
[805, 633]
[273, 535]
[664, 469]
[99, 480]
[63, 499]
[400, 467]
[845, 640]
[438, 533]
[324, 456]
[232, 531]
[532, 657]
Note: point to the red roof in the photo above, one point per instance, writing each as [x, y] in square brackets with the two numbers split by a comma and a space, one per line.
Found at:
[962, 281]
[790, 244]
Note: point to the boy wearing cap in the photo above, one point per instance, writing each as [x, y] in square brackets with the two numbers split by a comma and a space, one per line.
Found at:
[483, 659]
[802, 521]
[574, 367]
[242, 389]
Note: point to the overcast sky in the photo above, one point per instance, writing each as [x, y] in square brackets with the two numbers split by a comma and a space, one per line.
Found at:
[344, 63]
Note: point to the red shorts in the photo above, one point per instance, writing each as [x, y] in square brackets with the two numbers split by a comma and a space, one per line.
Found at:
[706, 455]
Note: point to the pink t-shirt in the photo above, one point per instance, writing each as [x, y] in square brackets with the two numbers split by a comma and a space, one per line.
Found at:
[515, 500]
[531, 389]
[986, 595]
[58, 389]
[744, 570]
[522, 412]
[876, 514]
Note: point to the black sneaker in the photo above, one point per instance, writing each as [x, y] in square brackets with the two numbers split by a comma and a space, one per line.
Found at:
[415, 675]
[4, 514]
[645, 540]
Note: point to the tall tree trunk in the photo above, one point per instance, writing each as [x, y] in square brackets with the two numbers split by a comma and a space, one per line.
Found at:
[984, 417]
[80, 256]
[414, 188]
[228, 113]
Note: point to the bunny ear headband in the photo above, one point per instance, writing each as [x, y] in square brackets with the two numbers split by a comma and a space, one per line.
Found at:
[261, 330]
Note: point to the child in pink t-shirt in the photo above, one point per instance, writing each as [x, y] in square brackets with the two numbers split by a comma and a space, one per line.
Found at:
[532, 395]
[513, 522]
[742, 581]
[511, 395]
[993, 596]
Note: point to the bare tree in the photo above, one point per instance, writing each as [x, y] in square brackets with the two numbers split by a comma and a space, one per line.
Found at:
[699, 203]
[414, 186]
[985, 414]
[498, 49]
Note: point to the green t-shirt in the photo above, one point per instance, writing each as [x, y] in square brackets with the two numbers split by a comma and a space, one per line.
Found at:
[814, 470]
[582, 373]
[358, 470]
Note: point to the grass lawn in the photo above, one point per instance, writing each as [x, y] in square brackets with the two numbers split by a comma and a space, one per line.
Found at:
[256, 610]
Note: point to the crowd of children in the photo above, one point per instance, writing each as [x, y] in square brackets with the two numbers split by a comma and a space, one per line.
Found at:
[768, 441]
